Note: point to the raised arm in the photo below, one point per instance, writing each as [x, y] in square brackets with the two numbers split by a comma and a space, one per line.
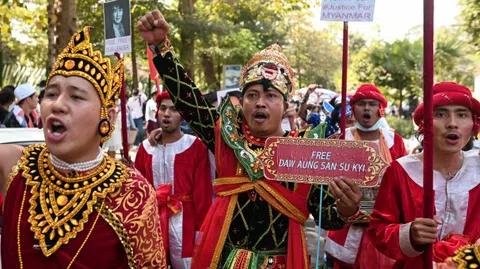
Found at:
[200, 115]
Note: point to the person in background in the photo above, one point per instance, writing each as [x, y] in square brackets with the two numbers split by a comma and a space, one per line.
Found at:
[12, 89]
[211, 97]
[334, 115]
[178, 168]
[41, 96]
[114, 144]
[150, 112]
[7, 97]
[132, 130]
[41, 87]
[23, 114]
[397, 226]
[135, 104]
[350, 247]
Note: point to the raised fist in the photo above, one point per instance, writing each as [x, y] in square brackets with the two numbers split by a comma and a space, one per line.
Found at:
[153, 27]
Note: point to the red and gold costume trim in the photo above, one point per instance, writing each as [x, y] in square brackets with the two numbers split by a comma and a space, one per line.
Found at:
[79, 59]
[63, 204]
[60, 205]
[287, 202]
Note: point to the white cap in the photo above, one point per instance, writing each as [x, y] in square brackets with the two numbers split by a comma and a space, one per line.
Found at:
[23, 91]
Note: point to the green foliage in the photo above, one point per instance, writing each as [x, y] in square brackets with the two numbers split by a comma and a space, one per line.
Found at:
[403, 127]
[22, 34]
[471, 20]
[230, 32]
[396, 67]
[452, 62]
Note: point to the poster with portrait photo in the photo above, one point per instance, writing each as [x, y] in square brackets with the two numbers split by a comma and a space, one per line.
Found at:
[116, 15]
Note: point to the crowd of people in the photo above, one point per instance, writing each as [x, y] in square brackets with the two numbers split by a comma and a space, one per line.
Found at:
[196, 195]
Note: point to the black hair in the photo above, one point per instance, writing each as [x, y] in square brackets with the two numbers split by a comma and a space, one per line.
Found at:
[6, 97]
[42, 83]
[9, 88]
[135, 92]
[41, 95]
[237, 94]
[335, 116]
[211, 97]
[23, 100]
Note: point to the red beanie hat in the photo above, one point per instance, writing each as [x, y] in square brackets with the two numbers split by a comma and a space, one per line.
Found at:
[161, 96]
[369, 91]
[450, 93]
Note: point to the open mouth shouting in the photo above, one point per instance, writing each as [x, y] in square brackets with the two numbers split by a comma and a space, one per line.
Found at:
[260, 117]
[366, 117]
[452, 139]
[166, 123]
[56, 130]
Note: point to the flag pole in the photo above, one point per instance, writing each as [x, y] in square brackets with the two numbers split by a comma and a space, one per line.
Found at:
[343, 119]
[428, 195]
[123, 107]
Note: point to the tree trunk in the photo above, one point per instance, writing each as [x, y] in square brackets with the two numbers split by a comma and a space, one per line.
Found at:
[66, 24]
[299, 70]
[219, 76]
[400, 108]
[208, 69]
[1, 63]
[134, 57]
[187, 45]
[51, 35]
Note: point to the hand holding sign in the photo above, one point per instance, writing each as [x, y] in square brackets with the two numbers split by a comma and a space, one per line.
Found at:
[347, 194]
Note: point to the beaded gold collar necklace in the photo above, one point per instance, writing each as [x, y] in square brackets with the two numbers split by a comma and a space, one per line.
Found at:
[60, 205]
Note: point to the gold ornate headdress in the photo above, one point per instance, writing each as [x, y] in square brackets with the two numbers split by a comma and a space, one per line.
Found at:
[271, 65]
[79, 59]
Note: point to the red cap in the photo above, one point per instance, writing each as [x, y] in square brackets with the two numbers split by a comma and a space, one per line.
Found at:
[369, 91]
[159, 98]
[449, 93]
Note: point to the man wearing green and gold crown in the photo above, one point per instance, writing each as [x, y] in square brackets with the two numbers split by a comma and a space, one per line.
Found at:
[253, 222]
[68, 205]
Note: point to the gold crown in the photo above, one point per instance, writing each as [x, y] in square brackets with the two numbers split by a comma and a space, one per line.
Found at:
[79, 59]
[270, 64]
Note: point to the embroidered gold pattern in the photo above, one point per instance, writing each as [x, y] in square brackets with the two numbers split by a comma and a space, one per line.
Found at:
[54, 225]
[134, 206]
[122, 234]
[224, 232]
[467, 257]
[70, 62]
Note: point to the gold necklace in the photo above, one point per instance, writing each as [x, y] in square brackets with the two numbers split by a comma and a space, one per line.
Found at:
[60, 205]
[19, 248]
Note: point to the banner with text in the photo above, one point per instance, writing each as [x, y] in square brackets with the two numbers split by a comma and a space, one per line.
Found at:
[318, 161]
[117, 27]
[347, 10]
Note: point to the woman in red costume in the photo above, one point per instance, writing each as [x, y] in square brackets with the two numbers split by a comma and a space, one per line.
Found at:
[67, 205]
